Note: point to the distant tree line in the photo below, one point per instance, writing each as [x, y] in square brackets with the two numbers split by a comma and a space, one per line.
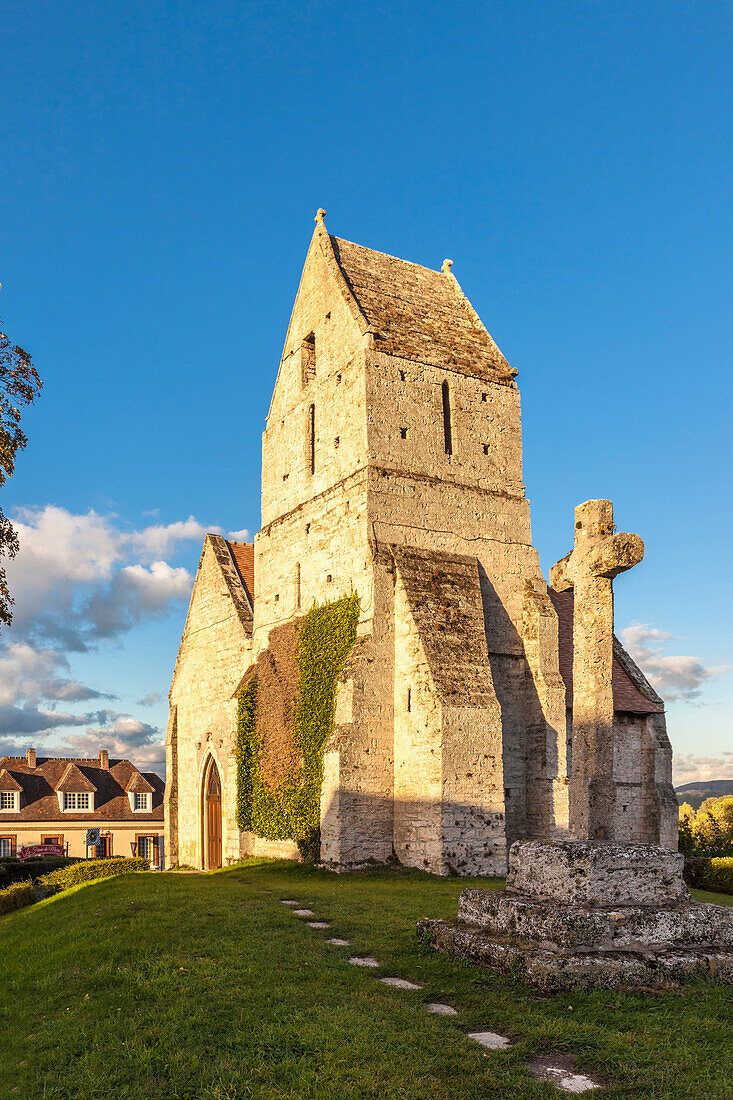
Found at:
[709, 832]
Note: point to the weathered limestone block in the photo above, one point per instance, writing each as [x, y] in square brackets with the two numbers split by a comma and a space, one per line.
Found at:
[600, 927]
[581, 872]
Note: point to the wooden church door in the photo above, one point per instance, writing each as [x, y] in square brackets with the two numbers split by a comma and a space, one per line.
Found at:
[213, 819]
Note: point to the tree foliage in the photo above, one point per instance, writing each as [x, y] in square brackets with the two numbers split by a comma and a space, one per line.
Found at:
[19, 387]
[291, 809]
[709, 832]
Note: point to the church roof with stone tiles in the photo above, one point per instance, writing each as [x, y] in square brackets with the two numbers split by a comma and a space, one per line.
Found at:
[39, 786]
[629, 684]
[417, 313]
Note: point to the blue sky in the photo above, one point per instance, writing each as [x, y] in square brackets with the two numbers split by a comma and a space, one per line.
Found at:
[161, 166]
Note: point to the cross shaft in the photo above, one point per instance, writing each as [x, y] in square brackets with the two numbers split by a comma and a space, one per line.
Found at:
[599, 555]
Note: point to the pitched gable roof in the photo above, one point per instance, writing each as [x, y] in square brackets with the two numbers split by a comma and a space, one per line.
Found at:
[631, 693]
[137, 783]
[7, 782]
[74, 780]
[417, 313]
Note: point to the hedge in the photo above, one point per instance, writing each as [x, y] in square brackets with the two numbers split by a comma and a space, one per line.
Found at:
[91, 869]
[16, 896]
[15, 870]
[715, 875]
[292, 809]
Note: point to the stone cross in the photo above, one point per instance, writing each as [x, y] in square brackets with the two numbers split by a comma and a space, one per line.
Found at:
[598, 557]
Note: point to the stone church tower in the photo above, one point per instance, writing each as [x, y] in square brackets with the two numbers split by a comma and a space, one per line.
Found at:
[392, 467]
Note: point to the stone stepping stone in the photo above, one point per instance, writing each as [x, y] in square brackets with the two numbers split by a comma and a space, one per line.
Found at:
[401, 983]
[559, 1071]
[441, 1010]
[318, 924]
[339, 943]
[490, 1040]
[303, 913]
[288, 901]
[363, 960]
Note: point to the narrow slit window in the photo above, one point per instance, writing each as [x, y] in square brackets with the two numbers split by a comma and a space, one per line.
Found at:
[297, 584]
[312, 438]
[308, 359]
[409, 699]
[447, 433]
[486, 448]
[403, 433]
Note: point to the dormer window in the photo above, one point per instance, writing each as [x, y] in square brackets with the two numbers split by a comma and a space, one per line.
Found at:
[77, 801]
[10, 801]
[141, 801]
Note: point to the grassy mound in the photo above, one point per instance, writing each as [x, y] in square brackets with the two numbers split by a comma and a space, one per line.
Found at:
[204, 986]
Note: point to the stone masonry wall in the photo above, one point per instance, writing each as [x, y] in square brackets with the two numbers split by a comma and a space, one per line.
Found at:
[215, 652]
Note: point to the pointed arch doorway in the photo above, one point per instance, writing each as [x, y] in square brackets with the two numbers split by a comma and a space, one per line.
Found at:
[212, 816]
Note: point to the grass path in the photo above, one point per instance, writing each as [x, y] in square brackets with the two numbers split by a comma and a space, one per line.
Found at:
[205, 986]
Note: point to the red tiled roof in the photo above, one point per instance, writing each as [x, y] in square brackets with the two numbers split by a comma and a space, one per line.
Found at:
[243, 554]
[39, 801]
[626, 695]
[138, 783]
[74, 780]
[7, 783]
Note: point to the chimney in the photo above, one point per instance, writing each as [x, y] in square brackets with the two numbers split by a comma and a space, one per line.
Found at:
[104, 759]
[31, 757]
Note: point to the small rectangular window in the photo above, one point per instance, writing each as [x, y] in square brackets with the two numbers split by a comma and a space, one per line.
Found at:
[141, 800]
[77, 800]
[403, 433]
[486, 448]
[447, 432]
[7, 846]
[7, 800]
[147, 848]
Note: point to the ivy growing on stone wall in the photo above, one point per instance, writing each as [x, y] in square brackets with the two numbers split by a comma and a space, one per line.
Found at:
[292, 809]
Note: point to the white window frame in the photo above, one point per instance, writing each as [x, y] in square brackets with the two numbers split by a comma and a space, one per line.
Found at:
[14, 806]
[145, 802]
[66, 798]
[3, 841]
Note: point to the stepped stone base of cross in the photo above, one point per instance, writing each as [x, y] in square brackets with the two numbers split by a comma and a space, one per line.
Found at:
[591, 911]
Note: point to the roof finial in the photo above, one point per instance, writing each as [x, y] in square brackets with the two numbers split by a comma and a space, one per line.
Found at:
[447, 265]
[320, 215]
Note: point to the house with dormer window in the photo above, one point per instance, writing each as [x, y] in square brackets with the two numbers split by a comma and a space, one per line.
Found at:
[52, 800]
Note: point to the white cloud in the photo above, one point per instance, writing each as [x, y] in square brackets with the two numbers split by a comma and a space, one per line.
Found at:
[673, 676]
[135, 593]
[161, 539]
[121, 734]
[78, 578]
[150, 699]
[126, 737]
[689, 768]
[239, 536]
[31, 674]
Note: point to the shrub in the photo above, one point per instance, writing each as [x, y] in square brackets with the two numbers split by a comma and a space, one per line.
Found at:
[715, 875]
[291, 809]
[18, 871]
[91, 869]
[16, 896]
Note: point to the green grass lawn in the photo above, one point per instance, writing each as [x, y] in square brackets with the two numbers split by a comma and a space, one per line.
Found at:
[169, 985]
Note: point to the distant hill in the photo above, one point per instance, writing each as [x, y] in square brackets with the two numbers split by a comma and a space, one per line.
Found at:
[696, 793]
